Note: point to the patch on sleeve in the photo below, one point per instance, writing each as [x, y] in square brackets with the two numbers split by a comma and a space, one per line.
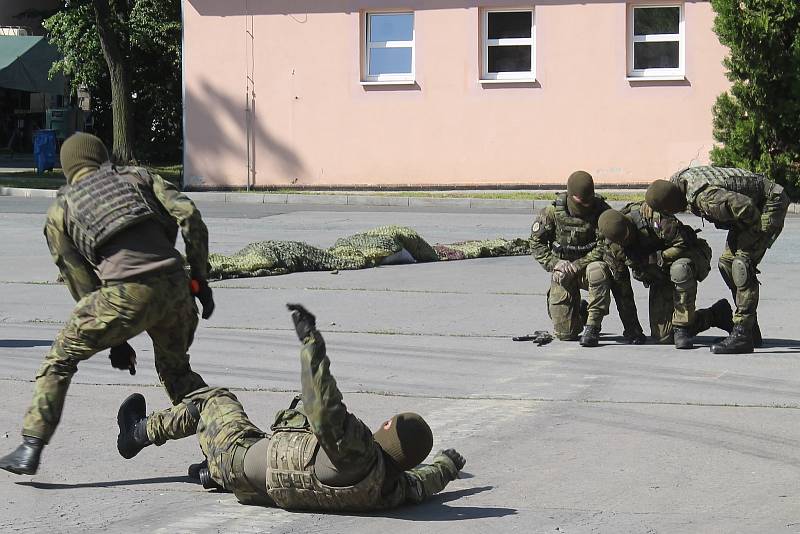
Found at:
[536, 226]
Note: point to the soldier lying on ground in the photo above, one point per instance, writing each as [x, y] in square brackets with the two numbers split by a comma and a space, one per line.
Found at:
[668, 257]
[321, 458]
[753, 209]
[111, 232]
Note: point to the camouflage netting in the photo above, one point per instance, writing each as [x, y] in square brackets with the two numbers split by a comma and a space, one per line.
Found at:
[359, 251]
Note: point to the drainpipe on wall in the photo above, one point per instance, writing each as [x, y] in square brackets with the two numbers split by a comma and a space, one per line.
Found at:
[183, 94]
[250, 95]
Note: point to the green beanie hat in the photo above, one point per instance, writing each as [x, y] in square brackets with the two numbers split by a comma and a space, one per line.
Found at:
[581, 185]
[82, 150]
[407, 441]
[665, 197]
[614, 226]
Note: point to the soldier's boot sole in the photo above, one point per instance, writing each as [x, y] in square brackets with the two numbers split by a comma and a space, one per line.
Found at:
[131, 412]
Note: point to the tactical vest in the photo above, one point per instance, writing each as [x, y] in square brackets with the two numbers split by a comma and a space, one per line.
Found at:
[105, 203]
[574, 237]
[649, 241]
[291, 481]
[749, 184]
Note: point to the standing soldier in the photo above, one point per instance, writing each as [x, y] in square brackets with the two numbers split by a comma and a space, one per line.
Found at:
[111, 232]
[320, 457]
[565, 242]
[752, 208]
[669, 258]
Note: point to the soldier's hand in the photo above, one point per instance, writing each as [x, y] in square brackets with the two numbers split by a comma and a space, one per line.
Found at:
[646, 210]
[123, 357]
[454, 456]
[560, 271]
[202, 291]
[304, 320]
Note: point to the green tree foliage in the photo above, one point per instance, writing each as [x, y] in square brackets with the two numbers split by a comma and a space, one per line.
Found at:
[149, 34]
[758, 120]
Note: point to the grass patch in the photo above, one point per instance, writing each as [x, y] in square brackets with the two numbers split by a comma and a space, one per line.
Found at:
[31, 180]
[505, 195]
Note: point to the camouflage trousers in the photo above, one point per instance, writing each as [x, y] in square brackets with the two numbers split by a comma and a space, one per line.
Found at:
[564, 300]
[625, 302]
[674, 304]
[160, 304]
[223, 430]
[751, 244]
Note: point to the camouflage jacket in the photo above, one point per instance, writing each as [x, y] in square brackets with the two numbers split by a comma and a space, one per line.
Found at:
[80, 275]
[348, 442]
[660, 240]
[556, 228]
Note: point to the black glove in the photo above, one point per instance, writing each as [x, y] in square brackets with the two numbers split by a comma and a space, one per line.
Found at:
[304, 320]
[123, 357]
[202, 291]
[454, 456]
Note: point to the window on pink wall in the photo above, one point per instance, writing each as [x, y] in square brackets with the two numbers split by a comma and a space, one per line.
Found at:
[507, 45]
[388, 51]
[656, 41]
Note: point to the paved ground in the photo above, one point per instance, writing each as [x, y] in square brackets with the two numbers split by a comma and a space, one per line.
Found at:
[557, 439]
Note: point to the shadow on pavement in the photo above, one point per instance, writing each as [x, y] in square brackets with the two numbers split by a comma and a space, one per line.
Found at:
[109, 484]
[23, 343]
[434, 509]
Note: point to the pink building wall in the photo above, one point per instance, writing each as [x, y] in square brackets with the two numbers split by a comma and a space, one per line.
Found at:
[316, 125]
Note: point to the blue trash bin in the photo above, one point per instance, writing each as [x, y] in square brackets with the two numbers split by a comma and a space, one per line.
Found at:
[44, 150]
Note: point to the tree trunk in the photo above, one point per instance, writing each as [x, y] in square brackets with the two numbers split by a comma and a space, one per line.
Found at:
[112, 44]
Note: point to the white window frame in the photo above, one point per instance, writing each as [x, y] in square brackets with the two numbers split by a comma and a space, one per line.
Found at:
[680, 37]
[500, 77]
[394, 78]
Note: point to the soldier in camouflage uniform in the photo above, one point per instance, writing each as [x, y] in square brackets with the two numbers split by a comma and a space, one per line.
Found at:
[564, 241]
[752, 208]
[669, 258]
[319, 458]
[111, 232]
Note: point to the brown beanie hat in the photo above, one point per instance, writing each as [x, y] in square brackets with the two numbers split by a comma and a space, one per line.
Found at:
[407, 441]
[614, 226]
[82, 150]
[665, 197]
[581, 185]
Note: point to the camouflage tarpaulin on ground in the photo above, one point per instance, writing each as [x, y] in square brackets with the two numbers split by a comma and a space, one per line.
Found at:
[359, 251]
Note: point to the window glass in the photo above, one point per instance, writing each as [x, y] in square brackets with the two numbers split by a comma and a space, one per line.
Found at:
[658, 55]
[656, 20]
[389, 61]
[391, 27]
[509, 25]
[510, 58]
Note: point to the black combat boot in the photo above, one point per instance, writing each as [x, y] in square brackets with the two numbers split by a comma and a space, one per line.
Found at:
[739, 342]
[758, 341]
[722, 315]
[200, 473]
[682, 337]
[634, 338]
[132, 423]
[590, 336]
[25, 458]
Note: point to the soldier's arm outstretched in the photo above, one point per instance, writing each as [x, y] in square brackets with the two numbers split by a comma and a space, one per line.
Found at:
[77, 273]
[422, 482]
[193, 229]
[348, 442]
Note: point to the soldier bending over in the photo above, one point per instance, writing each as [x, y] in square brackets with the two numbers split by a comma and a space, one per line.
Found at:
[321, 458]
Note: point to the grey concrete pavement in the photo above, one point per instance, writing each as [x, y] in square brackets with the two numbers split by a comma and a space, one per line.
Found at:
[557, 438]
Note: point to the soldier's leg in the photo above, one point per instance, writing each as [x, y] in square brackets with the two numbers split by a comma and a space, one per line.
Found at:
[563, 306]
[597, 278]
[172, 336]
[99, 321]
[725, 264]
[661, 310]
[626, 307]
[681, 272]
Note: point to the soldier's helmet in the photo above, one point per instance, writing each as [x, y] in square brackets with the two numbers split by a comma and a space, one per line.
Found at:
[81, 151]
[406, 438]
[665, 197]
[614, 226]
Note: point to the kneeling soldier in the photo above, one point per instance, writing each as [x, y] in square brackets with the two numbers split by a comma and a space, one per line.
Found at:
[320, 458]
[667, 256]
[752, 208]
